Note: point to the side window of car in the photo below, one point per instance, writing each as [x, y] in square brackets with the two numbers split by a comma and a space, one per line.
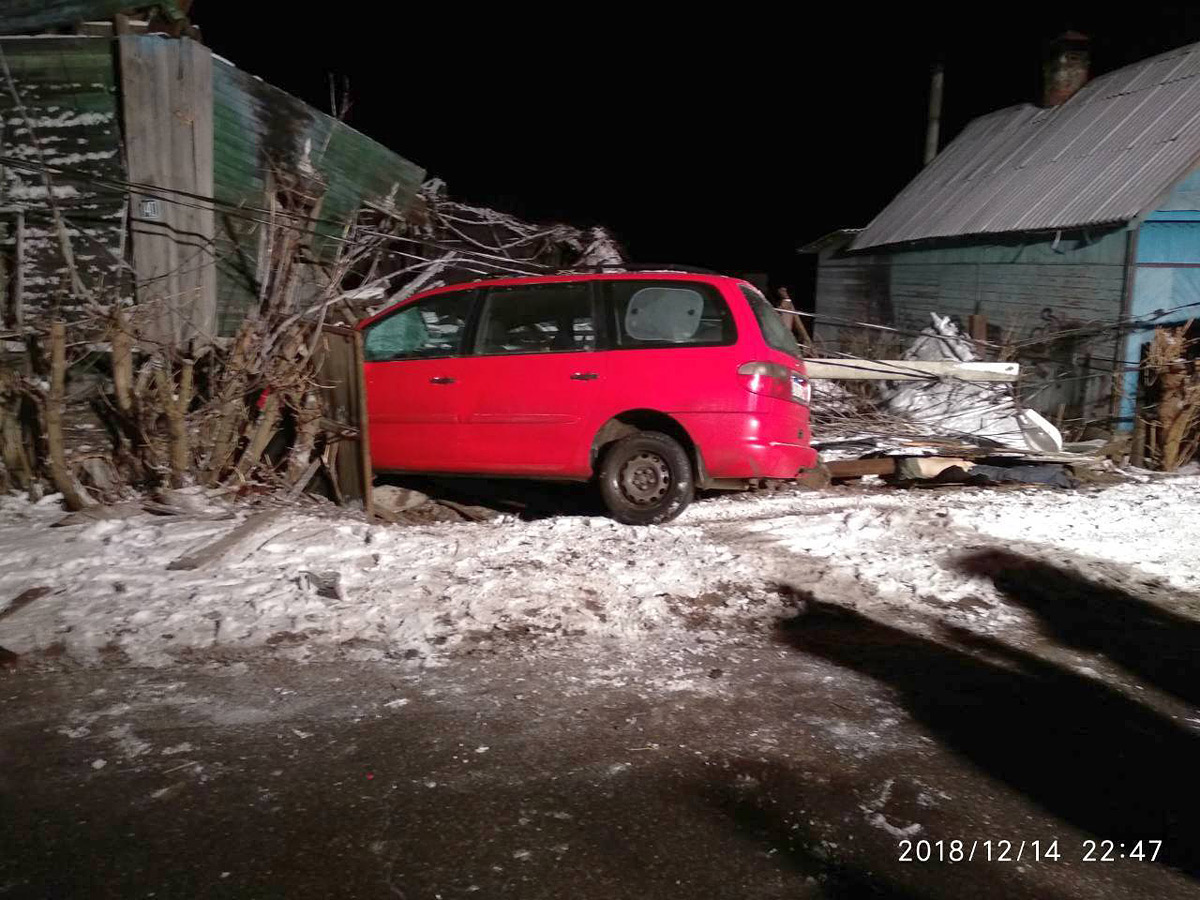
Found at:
[429, 328]
[669, 314]
[547, 318]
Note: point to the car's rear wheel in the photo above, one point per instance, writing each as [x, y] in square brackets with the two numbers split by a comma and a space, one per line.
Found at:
[646, 478]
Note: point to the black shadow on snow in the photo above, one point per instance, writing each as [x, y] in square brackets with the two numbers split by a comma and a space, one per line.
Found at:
[1155, 644]
[1080, 750]
[529, 500]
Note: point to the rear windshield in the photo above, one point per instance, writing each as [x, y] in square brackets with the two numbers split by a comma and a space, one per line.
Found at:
[777, 335]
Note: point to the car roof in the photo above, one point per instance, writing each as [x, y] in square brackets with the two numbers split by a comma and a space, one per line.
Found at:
[560, 278]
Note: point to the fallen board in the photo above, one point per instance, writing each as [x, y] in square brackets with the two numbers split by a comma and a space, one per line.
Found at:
[223, 545]
[909, 370]
[857, 468]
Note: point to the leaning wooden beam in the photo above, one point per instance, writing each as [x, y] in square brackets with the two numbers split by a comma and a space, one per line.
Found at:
[909, 370]
[364, 440]
[264, 430]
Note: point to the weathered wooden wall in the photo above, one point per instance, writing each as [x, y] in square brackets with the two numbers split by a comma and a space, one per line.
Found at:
[257, 126]
[1028, 286]
[214, 134]
[166, 91]
[67, 86]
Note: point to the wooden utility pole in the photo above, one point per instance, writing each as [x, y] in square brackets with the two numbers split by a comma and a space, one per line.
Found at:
[792, 321]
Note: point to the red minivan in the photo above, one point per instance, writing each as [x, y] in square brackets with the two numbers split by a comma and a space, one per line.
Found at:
[652, 383]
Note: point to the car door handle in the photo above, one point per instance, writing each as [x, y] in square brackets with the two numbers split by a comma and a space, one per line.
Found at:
[585, 376]
[441, 379]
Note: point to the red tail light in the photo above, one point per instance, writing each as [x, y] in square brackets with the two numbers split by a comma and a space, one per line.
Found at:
[774, 380]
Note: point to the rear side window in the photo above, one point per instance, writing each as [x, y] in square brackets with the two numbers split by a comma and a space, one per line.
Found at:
[670, 314]
[774, 332]
[549, 318]
[427, 329]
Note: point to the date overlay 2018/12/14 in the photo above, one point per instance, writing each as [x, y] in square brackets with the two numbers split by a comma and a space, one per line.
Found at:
[960, 851]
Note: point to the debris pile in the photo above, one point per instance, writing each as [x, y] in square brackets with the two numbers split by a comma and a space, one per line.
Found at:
[978, 429]
[954, 407]
[1169, 433]
[279, 407]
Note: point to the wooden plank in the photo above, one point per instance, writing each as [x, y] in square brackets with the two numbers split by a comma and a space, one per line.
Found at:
[909, 370]
[166, 89]
[977, 326]
[143, 154]
[18, 277]
[349, 472]
[191, 148]
[217, 549]
[182, 174]
[364, 435]
[22, 600]
[203, 144]
[857, 468]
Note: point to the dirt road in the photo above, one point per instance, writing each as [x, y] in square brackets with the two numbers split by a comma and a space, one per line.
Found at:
[786, 766]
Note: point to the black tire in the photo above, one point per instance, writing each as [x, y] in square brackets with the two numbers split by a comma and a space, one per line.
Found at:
[646, 478]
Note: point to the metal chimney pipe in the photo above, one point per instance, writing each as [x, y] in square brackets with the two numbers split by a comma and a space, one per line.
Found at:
[934, 124]
[1065, 68]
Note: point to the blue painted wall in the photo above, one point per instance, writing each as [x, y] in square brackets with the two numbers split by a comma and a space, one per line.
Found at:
[1166, 285]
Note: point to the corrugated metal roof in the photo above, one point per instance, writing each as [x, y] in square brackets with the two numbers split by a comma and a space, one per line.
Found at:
[1105, 156]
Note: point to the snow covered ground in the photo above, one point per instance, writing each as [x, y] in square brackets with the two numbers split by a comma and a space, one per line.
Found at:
[316, 585]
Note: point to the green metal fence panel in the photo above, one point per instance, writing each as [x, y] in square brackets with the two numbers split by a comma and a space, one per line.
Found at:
[257, 126]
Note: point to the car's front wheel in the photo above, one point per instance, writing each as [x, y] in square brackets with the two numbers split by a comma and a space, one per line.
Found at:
[646, 478]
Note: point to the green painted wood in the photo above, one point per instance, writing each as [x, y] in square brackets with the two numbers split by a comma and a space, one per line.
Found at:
[67, 86]
[32, 16]
[255, 125]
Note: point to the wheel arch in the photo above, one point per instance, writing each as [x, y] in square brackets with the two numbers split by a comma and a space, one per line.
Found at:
[634, 420]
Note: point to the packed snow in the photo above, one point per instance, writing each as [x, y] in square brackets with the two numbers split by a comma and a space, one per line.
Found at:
[319, 584]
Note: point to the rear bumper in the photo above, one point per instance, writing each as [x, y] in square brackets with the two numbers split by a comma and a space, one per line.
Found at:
[751, 445]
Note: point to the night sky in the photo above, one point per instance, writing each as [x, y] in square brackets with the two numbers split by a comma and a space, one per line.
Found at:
[723, 141]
